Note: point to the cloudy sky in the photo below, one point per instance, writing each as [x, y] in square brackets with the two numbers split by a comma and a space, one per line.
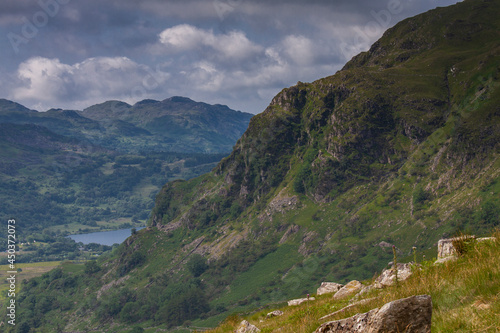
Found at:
[75, 53]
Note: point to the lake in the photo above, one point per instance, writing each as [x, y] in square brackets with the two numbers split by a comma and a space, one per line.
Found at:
[104, 237]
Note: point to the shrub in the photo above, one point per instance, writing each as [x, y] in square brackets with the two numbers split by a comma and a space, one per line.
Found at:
[197, 265]
[135, 260]
[185, 306]
[419, 195]
[129, 314]
[91, 267]
[463, 243]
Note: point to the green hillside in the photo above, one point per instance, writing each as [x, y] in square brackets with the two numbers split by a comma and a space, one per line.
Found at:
[62, 173]
[399, 148]
[50, 180]
[464, 298]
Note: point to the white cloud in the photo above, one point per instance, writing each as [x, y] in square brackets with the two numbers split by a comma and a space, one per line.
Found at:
[300, 49]
[205, 68]
[225, 68]
[206, 77]
[184, 37]
[44, 79]
[52, 83]
[233, 45]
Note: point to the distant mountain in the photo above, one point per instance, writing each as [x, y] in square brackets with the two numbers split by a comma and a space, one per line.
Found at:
[66, 170]
[176, 124]
[9, 106]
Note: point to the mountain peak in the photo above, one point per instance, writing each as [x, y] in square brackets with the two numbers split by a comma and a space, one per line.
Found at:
[179, 99]
[146, 102]
[106, 110]
[6, 105]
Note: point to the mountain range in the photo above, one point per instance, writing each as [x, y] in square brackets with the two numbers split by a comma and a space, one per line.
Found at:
[399, 148]
[71, 171]
[177, 124]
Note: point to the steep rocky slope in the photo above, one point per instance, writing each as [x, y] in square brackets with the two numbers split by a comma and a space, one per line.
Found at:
[406, 127]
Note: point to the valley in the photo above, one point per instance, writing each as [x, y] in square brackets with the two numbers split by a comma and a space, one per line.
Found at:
[82, 175]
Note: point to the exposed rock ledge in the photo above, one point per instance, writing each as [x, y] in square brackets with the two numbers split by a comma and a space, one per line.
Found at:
[328, 287]
[112, 284]
[246, 327]
[446, 248]
[299, 301]
[410, 315]
[388, 276]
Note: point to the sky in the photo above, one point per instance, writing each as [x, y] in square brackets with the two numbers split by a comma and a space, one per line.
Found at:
[72, 54]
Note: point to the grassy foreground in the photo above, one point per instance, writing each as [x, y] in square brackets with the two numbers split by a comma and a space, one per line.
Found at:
[465, 296]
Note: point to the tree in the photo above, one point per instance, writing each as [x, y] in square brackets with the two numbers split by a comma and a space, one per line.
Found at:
[419, 195]
[184, 306]
[128, 313]
[91, 267]
[24, 327]
[197, 265]
[137, 329]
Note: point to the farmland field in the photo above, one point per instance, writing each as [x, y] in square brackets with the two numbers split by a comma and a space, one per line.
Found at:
[29, 271]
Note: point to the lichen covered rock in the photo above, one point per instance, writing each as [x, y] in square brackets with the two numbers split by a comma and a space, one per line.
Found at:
[328, 287]
[388, 276]
[410, 315]
[246, 327]
[349, 289]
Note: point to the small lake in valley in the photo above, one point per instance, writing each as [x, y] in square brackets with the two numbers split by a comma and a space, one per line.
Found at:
[104, 237]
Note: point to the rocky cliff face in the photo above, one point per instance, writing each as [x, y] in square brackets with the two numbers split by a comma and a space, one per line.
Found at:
[401, 145]
[421, 102]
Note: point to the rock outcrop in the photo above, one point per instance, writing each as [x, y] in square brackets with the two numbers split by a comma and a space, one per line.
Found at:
[447, 250]
[357, 323]
[275, 313]
[112, 284]
[349, 289]
[350, 306]
[410, 315]
[246, 327]
[328, 288]
[388, 276]
[300, 301]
